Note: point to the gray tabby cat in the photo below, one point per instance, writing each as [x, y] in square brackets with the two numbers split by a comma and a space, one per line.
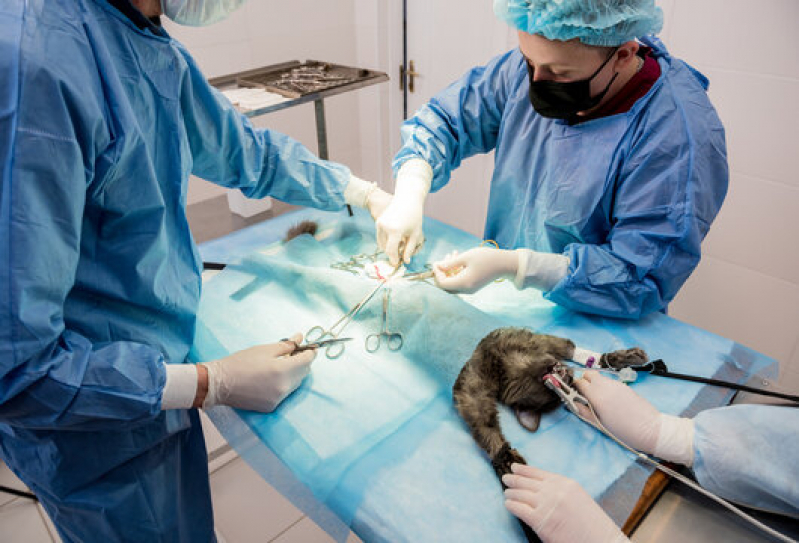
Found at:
[507, 367]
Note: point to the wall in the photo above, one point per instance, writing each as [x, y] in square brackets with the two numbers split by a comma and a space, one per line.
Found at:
[270, 32]
[747, 286]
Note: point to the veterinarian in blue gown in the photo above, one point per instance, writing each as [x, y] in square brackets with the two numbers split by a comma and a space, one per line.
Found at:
[743, 453]
[610, 161]
[102, 118]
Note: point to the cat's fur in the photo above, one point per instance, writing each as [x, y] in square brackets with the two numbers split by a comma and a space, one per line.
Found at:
[507, 367]
[305, 227]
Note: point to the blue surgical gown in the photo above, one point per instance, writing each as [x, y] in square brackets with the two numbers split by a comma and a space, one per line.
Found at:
[101, 123]
[748, 454]
[628, 198]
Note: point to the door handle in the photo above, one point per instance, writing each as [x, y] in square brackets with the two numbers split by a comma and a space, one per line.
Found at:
[411, 75]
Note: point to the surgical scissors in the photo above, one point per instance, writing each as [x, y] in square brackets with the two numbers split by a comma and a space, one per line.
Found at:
[393, 339]
[318, 333]
[317, 345]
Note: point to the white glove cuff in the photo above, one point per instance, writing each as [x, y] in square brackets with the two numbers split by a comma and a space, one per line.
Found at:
[180, 388]
[211, 397]
[675, 440]
[414, 179]
[540, 270]
[358, 191]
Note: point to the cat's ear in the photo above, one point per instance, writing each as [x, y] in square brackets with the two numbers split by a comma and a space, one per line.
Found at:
[528, 419]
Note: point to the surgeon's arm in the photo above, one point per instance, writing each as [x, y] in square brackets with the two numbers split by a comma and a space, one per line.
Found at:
[668, 193]
[461, 121]
[747, 454]
[51, 375]
[229, 151]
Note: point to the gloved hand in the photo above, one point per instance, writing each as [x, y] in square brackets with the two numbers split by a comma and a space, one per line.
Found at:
[377, 202]
[360, 193]
[472, 270]
[635, 421]
[258, 378]
[557, 508]
[399, 227]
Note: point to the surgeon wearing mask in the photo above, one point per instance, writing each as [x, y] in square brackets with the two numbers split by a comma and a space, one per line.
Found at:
[102, 118]
[743, 453]
[610, 161]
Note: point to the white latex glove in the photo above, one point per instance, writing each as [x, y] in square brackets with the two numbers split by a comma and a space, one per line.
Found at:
[399, 227]
[557, 508]
[472, 270]
[360, 193]
[258, 378]
[635, 421]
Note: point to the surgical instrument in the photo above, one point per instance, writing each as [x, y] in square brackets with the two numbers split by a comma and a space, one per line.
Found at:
[356, 263]
[318, 333]
[567, 394]
[419, 276]
[316, 345]
[393, 340]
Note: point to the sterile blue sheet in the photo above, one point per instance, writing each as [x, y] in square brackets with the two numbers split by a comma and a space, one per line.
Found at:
[372, 442]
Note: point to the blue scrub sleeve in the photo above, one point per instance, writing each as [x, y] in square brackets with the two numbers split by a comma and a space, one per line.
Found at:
[229, 151]
[747, 454]
[51, 140]
[459, 122]
[667, 194]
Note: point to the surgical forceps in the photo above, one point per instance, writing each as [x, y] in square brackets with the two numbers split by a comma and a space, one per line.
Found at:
[567, 394]
[356, 262]
[393, 339]
[317, 333]
[419, 276]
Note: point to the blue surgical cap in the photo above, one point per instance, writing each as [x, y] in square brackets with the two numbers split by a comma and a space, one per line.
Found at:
[606, 23]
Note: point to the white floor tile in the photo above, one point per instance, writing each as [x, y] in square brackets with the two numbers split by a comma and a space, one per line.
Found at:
[305, 531]
[793, 364]
[213, 439]
[7, 478]
[789, 381]
[20, 521]
[246, 508]
[49, 524]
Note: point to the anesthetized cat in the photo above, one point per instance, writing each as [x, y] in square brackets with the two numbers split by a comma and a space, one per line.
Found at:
[508, 367]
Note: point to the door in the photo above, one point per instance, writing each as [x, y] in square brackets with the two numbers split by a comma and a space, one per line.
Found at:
[445, 39]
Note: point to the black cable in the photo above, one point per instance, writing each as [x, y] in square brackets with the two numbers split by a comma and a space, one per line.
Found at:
[20, 493]
[658, 367]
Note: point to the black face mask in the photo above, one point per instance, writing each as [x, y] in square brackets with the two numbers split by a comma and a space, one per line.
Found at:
[562, 100]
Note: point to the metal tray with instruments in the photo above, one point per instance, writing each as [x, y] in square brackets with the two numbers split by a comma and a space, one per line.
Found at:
[296, 80]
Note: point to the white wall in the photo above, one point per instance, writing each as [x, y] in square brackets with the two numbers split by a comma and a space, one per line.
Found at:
[747, 286]
[267, 32]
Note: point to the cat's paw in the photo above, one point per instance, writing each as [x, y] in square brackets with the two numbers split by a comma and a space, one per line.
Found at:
[504, 458]
[622, 359]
